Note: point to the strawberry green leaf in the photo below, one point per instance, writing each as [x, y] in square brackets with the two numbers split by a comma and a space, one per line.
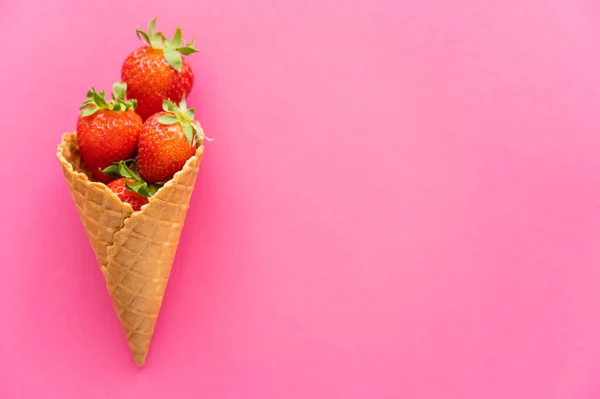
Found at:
[197, 128]
[189, 134]
[156, 38]
[120, 89]
[138, 187]
[169, 106]
[155, 41]
[133, 162]
[199, 132]
[124, 171]
[112, 170]
[90, 111]
[143, 189]
[151, 37]
[168, 120]
[100, 101]
[151, 26]
[153, 188]
[173, 57]
[177, 37]
[86, 103]
[187, 50]
[142, 36]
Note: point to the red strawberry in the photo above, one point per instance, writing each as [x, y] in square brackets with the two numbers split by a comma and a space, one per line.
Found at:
[126, 195]
[157, 72]
[107, 132]
[168, 139]
[129, 187]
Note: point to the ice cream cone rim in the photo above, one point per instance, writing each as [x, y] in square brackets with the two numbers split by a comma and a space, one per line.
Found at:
[199, 152]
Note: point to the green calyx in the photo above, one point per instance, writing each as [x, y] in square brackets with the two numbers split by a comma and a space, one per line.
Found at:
[122, 169]
[172, 48]
[185, 117]
[96, 101]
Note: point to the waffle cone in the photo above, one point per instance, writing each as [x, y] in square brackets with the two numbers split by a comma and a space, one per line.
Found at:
[135, 250]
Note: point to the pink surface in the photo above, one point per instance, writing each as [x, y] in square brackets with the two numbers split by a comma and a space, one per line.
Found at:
[401, 201]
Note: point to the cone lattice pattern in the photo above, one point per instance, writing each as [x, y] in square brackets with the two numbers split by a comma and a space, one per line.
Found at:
[135, 250]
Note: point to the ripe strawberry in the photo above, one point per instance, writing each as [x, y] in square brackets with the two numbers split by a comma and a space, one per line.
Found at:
[107, 132]
[157, 72]
[129, 187]
[126, 195]
[168, 139]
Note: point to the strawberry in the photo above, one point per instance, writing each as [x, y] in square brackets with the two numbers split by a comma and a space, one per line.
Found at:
[134, 199]
[107, 132]
[129, 186]
[157, 71]
[168, 139]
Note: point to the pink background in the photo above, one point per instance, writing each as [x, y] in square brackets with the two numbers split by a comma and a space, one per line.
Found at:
[402, 201]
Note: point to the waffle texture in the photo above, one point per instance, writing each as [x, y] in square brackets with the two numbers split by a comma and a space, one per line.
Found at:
[135, 250]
